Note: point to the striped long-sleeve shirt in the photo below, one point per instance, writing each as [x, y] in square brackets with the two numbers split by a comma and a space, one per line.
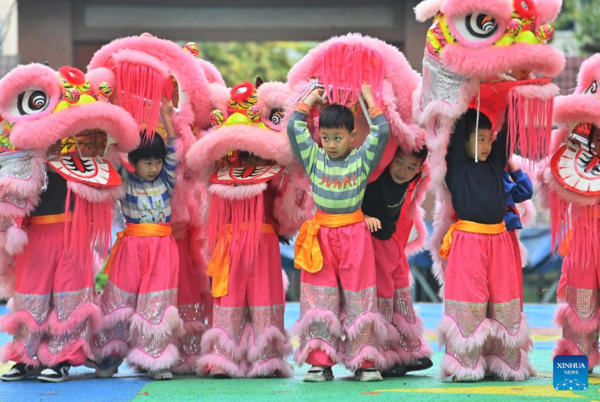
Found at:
[338, 184]
[150, 201]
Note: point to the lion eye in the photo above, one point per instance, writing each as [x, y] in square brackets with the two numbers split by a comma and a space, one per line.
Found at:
[32, 102]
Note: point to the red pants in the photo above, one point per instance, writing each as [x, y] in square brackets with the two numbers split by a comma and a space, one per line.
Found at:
[53, 305]
[483, 327]
[341, 299]
[140, 304]
[579, 317]
[247, 338]
[405, 343]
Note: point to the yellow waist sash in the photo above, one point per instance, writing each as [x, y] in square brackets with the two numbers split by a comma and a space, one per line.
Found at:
[218, 266]
[50, 219]
[308, 255]
[471, 227]
[137, 230]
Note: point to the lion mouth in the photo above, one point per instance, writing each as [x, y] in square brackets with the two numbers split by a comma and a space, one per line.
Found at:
[240, 168]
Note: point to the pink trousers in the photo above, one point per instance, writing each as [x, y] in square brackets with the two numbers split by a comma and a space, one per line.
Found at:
[139, 303]
[579, 314]
[340, 302]
[247, 338]
[405, 342]
[194, 303]
[483, 328]
[53, 308]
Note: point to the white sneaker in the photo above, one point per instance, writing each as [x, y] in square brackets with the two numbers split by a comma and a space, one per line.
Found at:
[58, 373]
[21, 371]
[318, 374]
[161, 375]
[367, 375]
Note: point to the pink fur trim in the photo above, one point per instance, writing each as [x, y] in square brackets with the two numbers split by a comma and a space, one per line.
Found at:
[529, 218]
[87, 311]
[450, 332]
[100, 75]
[496, 365]
[316, 314]
[302, 354]
[428, 9]
[11, 322]
[117, 347]
[575, 109]
[541, 58]
[272, 366]
[570, 348]
[357, 328]
[452, 367]
[96, 195]
[522, 338]
[137, 57]
[49, 359]
[366, 353]
[501, 10]
[16, 352]
[270, 337]
[122, 314]
[289, 212]
[410, 329]
[212, 74]
[544, 92]
[237, 192]
[163, 362]
[404, 357]
[16, 240]
[565, 314]
[170, 324]
[41, 133]
[237, 352]
[588, 73]
[219, 97]
[214, 360]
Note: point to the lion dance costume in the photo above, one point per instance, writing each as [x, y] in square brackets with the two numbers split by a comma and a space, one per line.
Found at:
[57, 195]
[256, 193]
[469, 47]
[571, 188]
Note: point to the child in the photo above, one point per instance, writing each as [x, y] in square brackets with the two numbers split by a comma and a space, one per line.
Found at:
[482, 328]
[518, 188]
[406, 349]
[334, 248]
[139, 301]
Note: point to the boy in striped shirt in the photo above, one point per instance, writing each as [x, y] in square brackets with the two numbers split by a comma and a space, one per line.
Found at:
[139, 302]
[334, 249]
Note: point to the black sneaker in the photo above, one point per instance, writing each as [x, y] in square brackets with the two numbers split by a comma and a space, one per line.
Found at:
[367, 375]
[58, 373]
[423, 364]
[108, 367]
[21, 371]
[394, 371]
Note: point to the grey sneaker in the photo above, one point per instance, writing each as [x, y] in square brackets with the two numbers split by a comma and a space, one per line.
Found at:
[161, 375]
[318, 374]
[21, 371]
[108, 367]
[367, 375]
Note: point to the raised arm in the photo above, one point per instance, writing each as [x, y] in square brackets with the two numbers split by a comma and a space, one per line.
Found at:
[523, 190]
[301, 141]
[171, 161]
[372, 149]
[456, 148]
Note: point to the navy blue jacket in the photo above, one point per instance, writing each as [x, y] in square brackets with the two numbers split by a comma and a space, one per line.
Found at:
[518, 188]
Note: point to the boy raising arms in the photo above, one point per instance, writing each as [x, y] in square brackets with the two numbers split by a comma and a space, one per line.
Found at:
[334, 250]
[406, 349]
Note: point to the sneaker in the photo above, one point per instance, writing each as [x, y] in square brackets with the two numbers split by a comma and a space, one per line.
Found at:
[161, 375]
[367, 375]
[108, 367]
[21, 371]
[318, 374]
[395, 371]
[422, 364]
[58, 373]
[218, 373]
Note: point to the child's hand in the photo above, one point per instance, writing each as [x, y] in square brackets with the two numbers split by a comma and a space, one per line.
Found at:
[367, 94]
[315, 96]
[373, 224]
[166, 108]
[512, 165]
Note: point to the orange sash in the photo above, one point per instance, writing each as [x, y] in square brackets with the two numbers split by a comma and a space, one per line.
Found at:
[307, 249]
[471, 227]
[137, 230]
[218, 266]
[50, 219]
